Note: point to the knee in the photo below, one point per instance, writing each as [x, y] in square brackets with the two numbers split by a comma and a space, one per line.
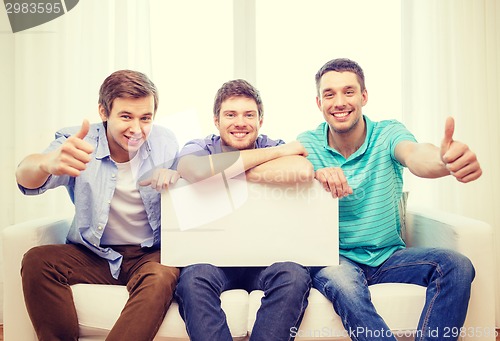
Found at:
[159, 276]
[460, 266]
[196, 278]
[337, 282]
[34, 262]
[294, 276]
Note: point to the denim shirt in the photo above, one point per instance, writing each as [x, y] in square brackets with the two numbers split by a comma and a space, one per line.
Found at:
[92, 191]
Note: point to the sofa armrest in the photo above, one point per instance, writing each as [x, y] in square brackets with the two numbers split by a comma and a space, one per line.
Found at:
[17, 239]
[474, 239]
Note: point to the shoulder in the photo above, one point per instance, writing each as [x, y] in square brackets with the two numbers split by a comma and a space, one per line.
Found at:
[95, 130]
[162, 133]
[315, 136]
[391, 129]
[164, 139]
[209, 144]
[263, 141]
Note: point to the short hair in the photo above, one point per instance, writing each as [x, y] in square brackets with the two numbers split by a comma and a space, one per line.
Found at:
[341, 65]
[126, 84]
[237, 88]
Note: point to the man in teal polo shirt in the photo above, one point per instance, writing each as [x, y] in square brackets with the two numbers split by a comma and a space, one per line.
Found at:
[361, 162]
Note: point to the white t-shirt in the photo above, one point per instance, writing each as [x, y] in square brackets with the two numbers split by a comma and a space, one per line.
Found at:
[128, 222]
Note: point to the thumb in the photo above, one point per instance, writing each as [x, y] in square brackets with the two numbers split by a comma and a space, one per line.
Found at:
[449, 129]
[83, 130]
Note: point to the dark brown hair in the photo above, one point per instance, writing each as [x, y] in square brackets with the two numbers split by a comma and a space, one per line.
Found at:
[235, 88]
[126, 84]
[341, 65]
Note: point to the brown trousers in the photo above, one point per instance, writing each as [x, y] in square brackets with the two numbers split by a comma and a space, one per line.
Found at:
[49, 270]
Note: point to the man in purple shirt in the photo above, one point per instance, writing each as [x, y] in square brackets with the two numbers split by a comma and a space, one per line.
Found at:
[113, 171]
[240, 150]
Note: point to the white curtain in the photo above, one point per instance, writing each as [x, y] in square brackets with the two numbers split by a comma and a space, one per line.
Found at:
[51, 76]
[58, 69]
[451, 67]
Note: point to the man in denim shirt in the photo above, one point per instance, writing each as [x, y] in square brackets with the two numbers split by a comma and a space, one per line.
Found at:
[114, 172]
[241, 151]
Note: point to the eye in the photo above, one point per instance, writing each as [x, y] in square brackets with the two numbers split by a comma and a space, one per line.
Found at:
[125, 116]
[328, 95]
[250, 115]
[146, 118]
[229, 115]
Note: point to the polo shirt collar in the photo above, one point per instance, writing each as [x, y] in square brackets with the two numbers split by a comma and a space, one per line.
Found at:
[361, 150]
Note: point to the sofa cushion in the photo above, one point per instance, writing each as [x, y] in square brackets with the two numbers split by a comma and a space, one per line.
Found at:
[97, 318]
[399, 304]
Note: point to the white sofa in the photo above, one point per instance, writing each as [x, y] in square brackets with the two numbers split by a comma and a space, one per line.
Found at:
[98, 306]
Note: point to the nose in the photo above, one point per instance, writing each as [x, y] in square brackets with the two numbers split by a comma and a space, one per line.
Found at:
[240, 121]
[135, 126]
[339, 101]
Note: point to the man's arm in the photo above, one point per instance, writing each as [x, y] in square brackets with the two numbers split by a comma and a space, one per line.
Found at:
[195, 168]
[428, 161]
[69, 159]
[286, 169]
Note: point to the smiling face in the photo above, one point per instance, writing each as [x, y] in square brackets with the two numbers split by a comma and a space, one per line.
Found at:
[238, 122]
[128, 125]
[341, 100]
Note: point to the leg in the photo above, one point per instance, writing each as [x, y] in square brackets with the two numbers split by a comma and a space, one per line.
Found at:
[347, 288]
[446, 274]
[198, 295]
[286, 288]
[47, 273]
[150, 286]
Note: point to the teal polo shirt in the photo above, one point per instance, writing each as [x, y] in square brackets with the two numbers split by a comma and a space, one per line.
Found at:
[369, 225]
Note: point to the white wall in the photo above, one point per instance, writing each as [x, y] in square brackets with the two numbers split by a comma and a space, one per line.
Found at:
[295, 38]
[194, 54]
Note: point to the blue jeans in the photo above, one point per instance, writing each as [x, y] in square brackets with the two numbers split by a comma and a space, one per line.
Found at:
[446, 274]
[286, 288]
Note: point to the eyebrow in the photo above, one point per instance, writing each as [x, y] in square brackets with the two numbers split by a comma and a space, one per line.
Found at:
[235, 111]
[344, 88]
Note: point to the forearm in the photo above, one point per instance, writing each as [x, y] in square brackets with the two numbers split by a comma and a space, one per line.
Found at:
[195, 168]
[287, 169]
[425, 161]
[31, 173]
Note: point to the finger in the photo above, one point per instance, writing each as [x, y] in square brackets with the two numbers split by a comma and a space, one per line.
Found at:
[320, 176]
[71, 151]
[83, 130]
[471, 176]
[175, 177]
[449, 129]
[468, 172]
[339, 181]
[459, 157]
[84, 146]
[346, 189]
[335, 184]
[145, 182]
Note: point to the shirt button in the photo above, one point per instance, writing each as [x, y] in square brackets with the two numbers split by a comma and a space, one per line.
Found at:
[95, 244]
[113, 176]
[99, 227]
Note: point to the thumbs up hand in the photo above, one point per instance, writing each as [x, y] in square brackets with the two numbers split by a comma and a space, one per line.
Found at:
[460, 161]
[73, 155]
